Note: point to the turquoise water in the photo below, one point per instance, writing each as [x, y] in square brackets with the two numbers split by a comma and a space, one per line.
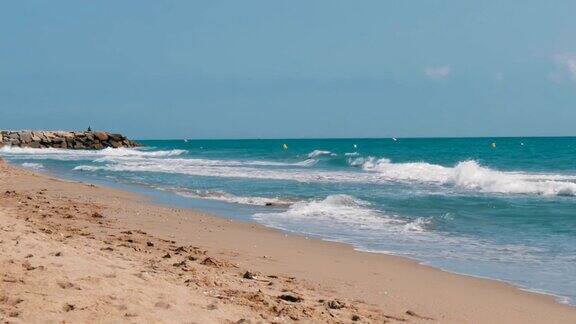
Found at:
[506, 213]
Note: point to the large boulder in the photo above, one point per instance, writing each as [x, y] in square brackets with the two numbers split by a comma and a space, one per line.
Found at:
[36, 136]
[101, 136]
[25, 137]
[115, 144]
[79, 146]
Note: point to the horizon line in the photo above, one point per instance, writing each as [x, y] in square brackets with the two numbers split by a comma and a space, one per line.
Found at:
[349, 138]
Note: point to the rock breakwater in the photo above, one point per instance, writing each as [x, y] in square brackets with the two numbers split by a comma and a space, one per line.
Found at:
[87, 140]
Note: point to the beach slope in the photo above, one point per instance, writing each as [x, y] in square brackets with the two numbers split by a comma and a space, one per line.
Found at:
[75, 252]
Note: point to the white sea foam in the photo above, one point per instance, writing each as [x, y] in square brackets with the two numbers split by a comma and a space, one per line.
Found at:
[470, 175]
[63, 154]
[358, 161]
[418, 225]
[211, 168]
[339, 210]
[413, 171]
[467, 175]
[317, 153]
[227, 197]
[334, 209]
[307, 162]
[33, 166]
[140, 153]
[344, 215]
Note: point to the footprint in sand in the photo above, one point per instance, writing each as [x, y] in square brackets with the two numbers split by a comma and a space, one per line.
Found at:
[162, 304]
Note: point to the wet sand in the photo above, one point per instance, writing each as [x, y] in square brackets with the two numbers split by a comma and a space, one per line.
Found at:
[75, 252]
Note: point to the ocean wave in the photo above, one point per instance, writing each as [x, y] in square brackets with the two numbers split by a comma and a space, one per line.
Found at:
[307, 162]
[468, 175]
[420, 224]
[191, 162]
[338, 210]
[140, 153]
[211, 168]
[227, 197]
[64, 154]
[358, 161]
[472, 176]
[33, 166]
[318, 153]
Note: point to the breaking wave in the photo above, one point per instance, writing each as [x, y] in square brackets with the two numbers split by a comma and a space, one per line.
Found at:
[472, 176]
[466, 175]
[225, 169]
[63, 154]
[227, 197]
[317, 153]
[33, 166]
[339, 210]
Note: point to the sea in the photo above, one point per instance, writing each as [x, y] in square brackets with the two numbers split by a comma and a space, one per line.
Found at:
[499, 208]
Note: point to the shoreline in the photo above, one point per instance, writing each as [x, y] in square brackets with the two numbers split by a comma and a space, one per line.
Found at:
[386, 286]
[562, 300]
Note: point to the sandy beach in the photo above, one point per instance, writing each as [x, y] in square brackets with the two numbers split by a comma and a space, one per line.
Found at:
[75, 252]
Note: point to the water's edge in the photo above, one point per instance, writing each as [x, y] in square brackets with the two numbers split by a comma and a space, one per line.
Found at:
[244, 214]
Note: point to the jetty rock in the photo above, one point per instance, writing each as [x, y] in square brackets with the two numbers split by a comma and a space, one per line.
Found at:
[86, 140]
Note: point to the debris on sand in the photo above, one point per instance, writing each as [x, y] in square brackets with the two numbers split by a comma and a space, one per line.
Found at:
[249, 275]
[180, 264]
[97, 215]
[68, 307]
[26, 265]
[291, 298]
[335, 304]
[413, 314]
[210, 262]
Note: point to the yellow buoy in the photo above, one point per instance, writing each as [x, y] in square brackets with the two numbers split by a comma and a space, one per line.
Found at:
[494, 145]
[285, 146]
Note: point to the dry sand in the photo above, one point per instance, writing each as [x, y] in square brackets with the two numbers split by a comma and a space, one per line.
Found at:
[73, 252]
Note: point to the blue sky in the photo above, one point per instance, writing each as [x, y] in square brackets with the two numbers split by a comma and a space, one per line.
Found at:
[275, 69]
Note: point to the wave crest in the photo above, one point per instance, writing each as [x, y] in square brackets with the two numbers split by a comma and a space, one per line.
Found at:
[64, 154]
[317, 153]
[472, 176]
[339, 210]
[33, 166]
[230, 198]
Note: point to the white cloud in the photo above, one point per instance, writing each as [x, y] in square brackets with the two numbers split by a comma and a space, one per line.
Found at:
[567, 62]
[438, 72]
